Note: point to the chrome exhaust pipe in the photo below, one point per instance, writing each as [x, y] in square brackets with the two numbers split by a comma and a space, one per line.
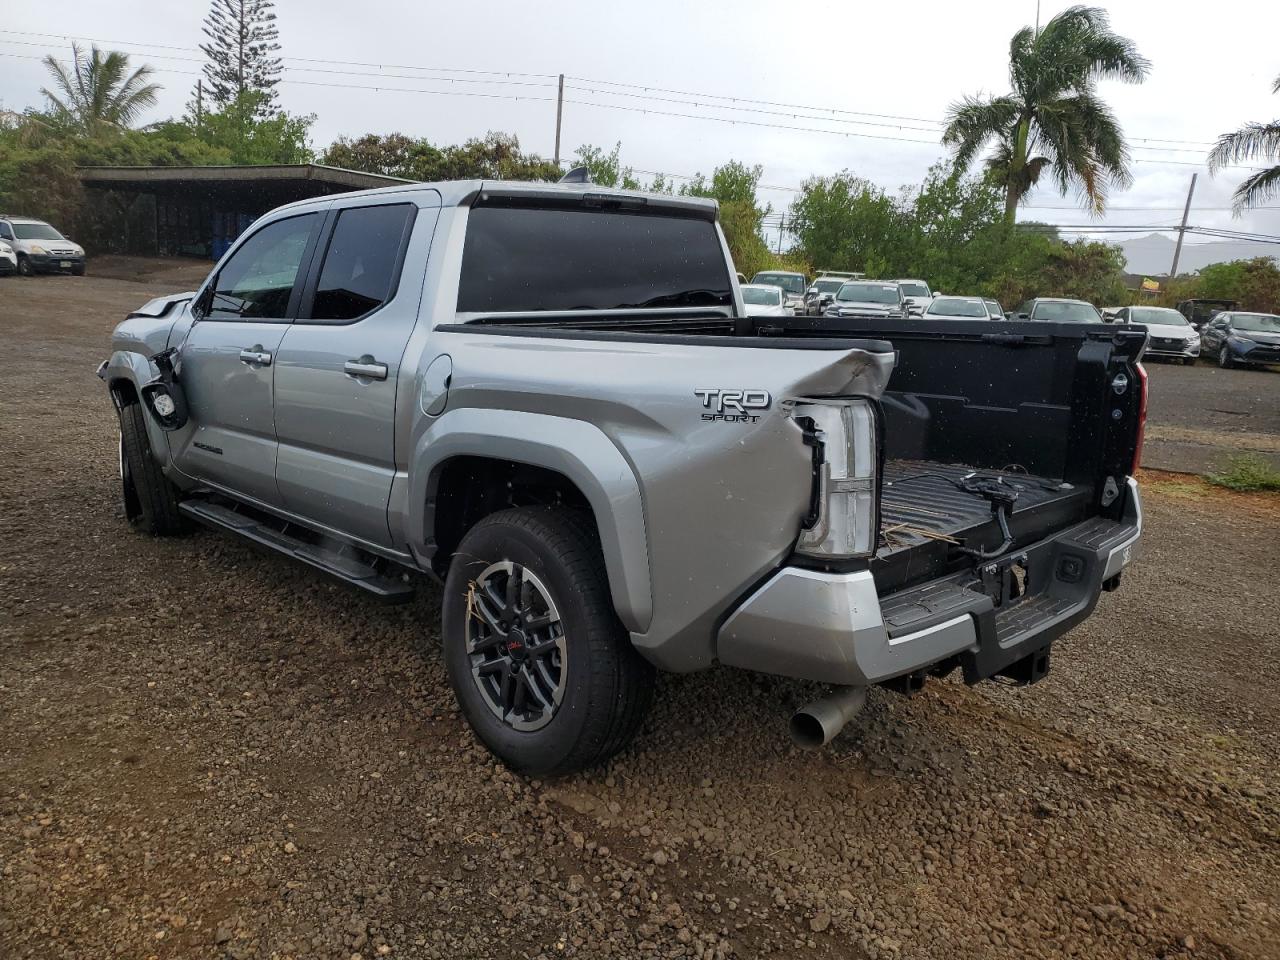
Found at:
[817, 724]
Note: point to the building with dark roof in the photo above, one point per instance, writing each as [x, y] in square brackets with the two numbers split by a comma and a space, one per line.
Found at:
[199, 211]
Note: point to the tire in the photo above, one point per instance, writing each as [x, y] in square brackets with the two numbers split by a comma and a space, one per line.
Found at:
[1224, 358]
[25, 269]
[150, 500]
[593, 688]
[78, 270]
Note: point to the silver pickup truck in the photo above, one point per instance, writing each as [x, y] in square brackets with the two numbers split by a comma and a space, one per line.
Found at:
[549, 397]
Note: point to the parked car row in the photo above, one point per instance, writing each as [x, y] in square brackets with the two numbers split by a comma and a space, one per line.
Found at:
[1230, 336]
[29, 246]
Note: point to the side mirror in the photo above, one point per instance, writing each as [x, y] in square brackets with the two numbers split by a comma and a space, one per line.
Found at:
[1024, 316]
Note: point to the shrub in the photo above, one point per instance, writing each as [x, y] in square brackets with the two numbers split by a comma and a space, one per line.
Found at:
[1247, 472]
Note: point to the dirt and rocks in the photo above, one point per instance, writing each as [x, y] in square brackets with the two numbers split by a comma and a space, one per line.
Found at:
[205, 752]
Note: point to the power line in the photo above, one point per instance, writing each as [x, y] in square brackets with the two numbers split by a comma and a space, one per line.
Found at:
[733, 103]
[329, 60]
[750, 123]
[753, 110]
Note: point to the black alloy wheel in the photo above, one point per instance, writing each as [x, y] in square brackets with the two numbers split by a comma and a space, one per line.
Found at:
[516, 645]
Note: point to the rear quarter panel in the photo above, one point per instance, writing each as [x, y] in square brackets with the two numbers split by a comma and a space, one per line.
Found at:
[721, 502]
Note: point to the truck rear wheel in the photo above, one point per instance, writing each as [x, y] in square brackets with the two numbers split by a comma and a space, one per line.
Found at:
[543, 670]
[150, 500]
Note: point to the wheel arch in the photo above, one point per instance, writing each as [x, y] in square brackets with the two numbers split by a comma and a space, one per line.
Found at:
[472, 462]
[124, 375]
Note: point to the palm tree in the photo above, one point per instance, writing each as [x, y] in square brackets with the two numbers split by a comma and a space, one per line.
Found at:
[1260, 140]
[97, 92]
[1053, 120]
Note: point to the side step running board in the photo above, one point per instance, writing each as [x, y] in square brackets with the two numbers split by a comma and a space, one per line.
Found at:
[348, 566]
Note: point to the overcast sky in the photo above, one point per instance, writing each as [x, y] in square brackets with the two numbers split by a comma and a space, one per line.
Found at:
[908, 59]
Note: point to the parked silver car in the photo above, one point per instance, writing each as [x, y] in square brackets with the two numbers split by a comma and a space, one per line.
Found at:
[868, 298]
[764, 300]
[40, 248]
[958, 308]
[1171, 335]
[792, 284]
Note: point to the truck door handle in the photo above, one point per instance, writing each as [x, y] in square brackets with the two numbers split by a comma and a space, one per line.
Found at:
[365, 367]
[256, 355]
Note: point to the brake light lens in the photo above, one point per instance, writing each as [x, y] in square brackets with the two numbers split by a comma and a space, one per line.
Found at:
[1142, 418]
[846, 519]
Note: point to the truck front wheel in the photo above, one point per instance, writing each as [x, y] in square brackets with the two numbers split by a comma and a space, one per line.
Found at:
[150, 500]
[543, 670]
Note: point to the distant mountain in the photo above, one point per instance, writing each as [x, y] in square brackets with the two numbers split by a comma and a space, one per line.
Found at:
[1153, 254]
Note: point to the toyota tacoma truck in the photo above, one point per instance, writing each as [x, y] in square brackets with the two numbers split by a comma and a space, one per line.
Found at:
[550, 397]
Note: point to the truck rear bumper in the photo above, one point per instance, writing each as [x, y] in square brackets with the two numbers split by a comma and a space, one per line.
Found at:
[834, 628]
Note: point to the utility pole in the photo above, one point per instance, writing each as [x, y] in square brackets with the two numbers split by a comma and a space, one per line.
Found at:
[782, 226]
[559, 114]
[199, 104]
[1177, 250]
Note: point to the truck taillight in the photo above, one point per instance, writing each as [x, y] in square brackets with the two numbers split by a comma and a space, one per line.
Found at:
[1142, 418]
[844, 526]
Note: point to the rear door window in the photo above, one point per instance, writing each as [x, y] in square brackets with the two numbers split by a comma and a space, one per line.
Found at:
[362, 264]
[525, 259]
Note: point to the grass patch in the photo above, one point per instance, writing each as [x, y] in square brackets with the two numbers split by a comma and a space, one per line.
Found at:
[1247, 473]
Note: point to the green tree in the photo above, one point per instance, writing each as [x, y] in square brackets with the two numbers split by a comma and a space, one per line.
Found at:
[1250, 142]
[392, 155]
[1254, 283]
[606, 169]
[241, 47]
[97, 93]
[846, 223]
[1053, 121]
[247, 134]
[497, 156]
[1084, 270]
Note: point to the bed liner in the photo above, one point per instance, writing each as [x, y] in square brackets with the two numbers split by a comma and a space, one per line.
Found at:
[919, 503]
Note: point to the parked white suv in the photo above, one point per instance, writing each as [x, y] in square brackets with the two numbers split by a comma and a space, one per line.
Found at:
[917, 294]
[8, 259]
[39, 248]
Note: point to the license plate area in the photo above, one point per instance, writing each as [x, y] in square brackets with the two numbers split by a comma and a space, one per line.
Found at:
[65, 264]
[1007, 581]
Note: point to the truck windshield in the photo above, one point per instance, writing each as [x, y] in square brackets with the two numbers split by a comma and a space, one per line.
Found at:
[869, 293]
[764, 296]
[528, 259]
[790, 282]
[914, 290]
[1069, 311]
[829, 286]
[1158, 315]
[1257, 322]
[36, 231]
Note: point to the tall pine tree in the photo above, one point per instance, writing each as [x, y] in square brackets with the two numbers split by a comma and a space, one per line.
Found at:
[241, 46]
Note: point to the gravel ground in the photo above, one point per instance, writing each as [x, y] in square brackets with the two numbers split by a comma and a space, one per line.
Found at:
[1200, 415]
[205, 752]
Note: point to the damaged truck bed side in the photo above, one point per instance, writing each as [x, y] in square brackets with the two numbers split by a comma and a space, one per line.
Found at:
[549, 397]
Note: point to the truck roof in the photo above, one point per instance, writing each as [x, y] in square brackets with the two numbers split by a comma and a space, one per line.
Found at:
[462, 193]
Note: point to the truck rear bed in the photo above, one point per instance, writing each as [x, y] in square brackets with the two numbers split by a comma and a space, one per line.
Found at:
[924, 516]
[920, 503]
